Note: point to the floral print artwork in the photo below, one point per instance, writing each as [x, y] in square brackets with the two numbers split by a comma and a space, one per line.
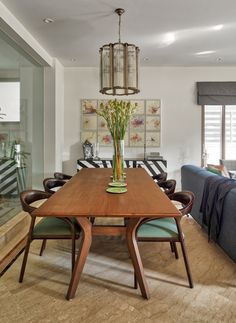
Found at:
[104, 138]
[137, 122]
[144, 126]
[153, 123]
[102, 124]
[140, 106]
[89, 106]
[136, 139]
[153, 139]
[153, 107]
[89, 122]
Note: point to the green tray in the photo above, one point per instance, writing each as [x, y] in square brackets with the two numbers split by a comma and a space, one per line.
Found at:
[116, 190]
[117, 184]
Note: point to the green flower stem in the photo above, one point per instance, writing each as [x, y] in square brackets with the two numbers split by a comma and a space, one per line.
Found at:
[118, 161]
[117, 115]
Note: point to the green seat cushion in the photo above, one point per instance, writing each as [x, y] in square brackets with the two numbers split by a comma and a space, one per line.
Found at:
[160, 228]
[52, 226]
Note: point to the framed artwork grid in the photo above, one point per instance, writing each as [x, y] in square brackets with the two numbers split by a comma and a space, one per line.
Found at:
[144, 126]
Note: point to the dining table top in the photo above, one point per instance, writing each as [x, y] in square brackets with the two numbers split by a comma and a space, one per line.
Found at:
[85, 195]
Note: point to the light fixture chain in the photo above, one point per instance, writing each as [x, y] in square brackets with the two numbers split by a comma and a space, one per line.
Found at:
[119, 26]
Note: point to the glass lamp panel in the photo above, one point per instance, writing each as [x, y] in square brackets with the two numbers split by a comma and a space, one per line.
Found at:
[118, 54]
[105, 67]
[131, 55]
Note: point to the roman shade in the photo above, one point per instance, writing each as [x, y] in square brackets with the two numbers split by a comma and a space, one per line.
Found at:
[214, 93]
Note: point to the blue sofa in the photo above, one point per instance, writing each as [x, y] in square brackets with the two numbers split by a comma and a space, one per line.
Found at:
[193, 179]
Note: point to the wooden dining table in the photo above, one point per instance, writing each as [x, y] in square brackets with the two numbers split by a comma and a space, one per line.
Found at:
[85, 197]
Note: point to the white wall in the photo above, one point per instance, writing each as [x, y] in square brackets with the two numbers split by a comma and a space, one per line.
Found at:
[181, 116]
[59, 119]
[53, 118]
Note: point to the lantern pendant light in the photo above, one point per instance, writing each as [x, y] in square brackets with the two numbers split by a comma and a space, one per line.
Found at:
[119, 66]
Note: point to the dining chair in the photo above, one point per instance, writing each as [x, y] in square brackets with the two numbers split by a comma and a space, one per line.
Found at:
[169, 229]
[168, 186]
[47, 228]
[59, 175]
[52, 184]
[158, 178]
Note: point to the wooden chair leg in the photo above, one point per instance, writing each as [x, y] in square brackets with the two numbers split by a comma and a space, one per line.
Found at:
[184, 252]
[22, 271]
[175, 250]
[135, 281]
[171, 246]
[27, 247]
[43, 246]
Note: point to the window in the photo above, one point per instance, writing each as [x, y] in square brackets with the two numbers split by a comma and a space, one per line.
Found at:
[219, 133]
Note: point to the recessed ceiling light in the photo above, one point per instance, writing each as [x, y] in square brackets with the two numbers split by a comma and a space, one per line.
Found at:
[219, 59]
[217, 27]
[73, 59]
[169, 38]
[146, 59]
[206, 52]
[48, 20]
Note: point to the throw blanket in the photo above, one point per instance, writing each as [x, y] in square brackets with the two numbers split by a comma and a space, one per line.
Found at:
[215, 190]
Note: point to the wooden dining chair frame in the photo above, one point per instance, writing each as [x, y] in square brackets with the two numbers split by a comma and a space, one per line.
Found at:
[59, 175]
[28, 197]
[159, 178]
[168, 186]
[188, 198]
[51, 182]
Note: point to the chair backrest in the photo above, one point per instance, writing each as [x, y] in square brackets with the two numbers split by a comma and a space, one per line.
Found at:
[29, 196]
[61, 176]
[168, 186]
[186, 198]
[160, 177]
[50, 183]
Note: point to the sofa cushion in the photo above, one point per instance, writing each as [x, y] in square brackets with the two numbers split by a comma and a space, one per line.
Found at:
[218, 169]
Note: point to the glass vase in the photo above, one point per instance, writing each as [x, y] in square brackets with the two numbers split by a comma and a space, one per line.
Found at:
[118, 161]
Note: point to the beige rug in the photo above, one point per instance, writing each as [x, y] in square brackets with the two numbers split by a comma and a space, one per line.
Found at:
[105, 292]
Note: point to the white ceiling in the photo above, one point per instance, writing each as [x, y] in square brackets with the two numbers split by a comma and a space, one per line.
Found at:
[168, 32]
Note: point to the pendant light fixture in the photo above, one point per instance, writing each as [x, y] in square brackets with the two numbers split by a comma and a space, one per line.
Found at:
[119, 66]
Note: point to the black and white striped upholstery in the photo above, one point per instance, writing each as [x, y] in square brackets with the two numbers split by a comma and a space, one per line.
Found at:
[151, 166]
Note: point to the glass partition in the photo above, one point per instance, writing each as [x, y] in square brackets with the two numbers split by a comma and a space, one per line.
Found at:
[21, 126]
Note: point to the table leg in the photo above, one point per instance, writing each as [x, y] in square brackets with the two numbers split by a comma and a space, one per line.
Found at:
[86, 227]
[132, 225]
